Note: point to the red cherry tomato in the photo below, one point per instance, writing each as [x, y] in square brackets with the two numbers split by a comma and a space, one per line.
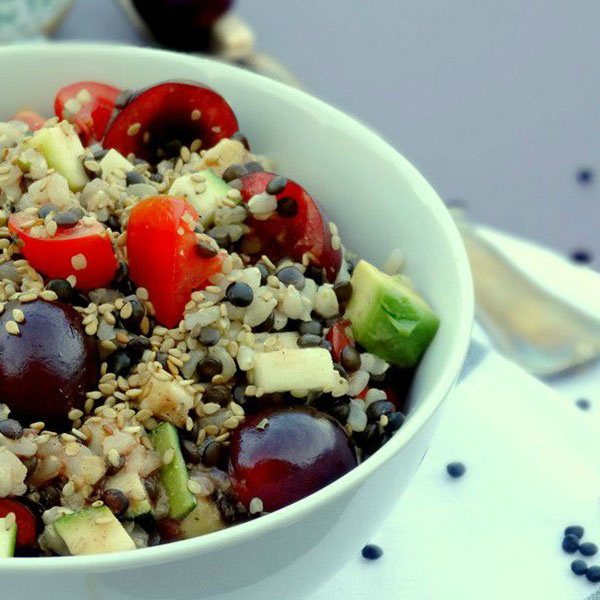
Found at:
[166, 112]
[292, 236]
[32, 119]
[161, 249]
[338, 337]
[27, 523]
[97, 101]
[84, 251]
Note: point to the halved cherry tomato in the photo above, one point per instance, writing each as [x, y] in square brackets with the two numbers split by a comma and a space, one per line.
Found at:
[338, 337]
[161, 249]
[171, 112]
[27, 522]
[97, 101]
[84, 251]
[32, 119]
[307, 230]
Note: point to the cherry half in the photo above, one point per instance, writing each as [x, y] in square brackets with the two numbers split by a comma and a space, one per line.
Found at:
[48, 367]
[284, 454]
[169, 114]
[280, 236]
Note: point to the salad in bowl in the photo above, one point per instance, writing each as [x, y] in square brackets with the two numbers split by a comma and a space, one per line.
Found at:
[186, 343]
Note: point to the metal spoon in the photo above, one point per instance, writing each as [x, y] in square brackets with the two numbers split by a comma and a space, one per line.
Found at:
[537, 329]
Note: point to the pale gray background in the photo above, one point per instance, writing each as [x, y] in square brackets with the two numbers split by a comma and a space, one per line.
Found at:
[496, 101]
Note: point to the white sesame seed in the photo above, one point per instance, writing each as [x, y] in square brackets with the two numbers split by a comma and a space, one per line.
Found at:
[168, 456]
[12, 328]
[28, 297]
[18, 315]
[210, 408]
[134, 129]
[79, 434]
[126, 311]
[79, 262]
[194, 487]
[256, 506]
[114, 457]
[51, 228]
[10, 520]
[84, 96]
[230, 423]
[103, 521]
[48, 295]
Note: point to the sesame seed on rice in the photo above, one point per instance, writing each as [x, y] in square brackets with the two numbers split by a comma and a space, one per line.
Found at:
[28, 297]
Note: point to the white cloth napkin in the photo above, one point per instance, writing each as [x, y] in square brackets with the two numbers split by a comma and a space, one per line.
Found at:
[533, 468]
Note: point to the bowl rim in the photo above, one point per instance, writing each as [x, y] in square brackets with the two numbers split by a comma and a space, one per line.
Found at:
[246, 531]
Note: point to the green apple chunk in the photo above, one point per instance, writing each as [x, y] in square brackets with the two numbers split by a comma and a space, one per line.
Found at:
[63, 152]
[203, 191]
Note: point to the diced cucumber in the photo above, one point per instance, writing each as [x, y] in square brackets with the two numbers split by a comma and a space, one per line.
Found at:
[135, 490]
[173, 475]
[294, 369]
[388, 317]
[8, 538]
[205, 518]
[93, 531]
[112, 161]
[63, 152]
[204, 201]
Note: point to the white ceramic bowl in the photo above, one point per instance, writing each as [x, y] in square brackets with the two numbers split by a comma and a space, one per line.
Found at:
[380, 202]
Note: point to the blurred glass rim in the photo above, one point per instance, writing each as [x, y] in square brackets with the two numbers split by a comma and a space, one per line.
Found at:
[21, 19]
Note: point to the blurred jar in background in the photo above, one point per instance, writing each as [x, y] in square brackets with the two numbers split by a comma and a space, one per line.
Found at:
[180, 24]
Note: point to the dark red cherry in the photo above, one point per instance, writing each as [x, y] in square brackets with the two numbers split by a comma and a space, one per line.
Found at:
[48, 366]
[283, 454]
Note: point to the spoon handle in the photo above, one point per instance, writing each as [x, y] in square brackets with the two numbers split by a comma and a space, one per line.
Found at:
[528, 323]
